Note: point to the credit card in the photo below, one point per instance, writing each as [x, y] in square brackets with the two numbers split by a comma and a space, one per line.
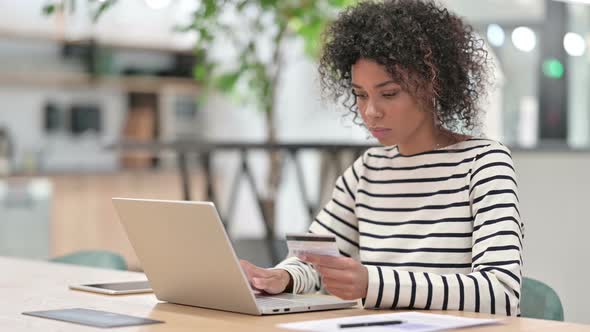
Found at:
[314, 244]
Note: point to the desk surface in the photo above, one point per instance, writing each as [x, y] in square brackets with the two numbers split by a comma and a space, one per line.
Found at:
[33, 285]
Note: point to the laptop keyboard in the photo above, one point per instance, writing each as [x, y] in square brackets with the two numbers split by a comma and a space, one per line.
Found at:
[275, 302]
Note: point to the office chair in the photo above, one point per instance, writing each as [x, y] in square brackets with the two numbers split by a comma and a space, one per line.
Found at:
[94, 258]
[538, 300]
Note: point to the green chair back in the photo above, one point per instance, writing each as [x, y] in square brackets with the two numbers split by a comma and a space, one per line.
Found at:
[538, 300]
[94, 258]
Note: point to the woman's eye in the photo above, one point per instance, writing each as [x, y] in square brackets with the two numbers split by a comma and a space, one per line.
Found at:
[359, 95]
[390, 94]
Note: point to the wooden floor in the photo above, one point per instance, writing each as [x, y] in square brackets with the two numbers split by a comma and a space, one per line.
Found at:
[83, 217]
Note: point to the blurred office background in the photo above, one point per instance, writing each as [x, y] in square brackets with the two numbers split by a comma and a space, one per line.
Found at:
[71, 88]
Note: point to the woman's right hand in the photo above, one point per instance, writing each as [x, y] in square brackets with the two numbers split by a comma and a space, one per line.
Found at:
[271, 281]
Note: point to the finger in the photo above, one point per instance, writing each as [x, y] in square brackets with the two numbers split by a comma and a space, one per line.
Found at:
[337, 274]
[334, 262]
[246, 265]
[319, 260]
[249, 269]
[254, 271]
[246, 268]
[336, 282]
[336, 291]
[337, 285]
[268, 285]
[261, 283]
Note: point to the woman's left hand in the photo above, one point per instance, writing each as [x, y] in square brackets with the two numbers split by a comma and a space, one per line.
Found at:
[342, 276]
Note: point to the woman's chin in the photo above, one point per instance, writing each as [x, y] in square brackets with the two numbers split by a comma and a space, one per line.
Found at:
[386, 142]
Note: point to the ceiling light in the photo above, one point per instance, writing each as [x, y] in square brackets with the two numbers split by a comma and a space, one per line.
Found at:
[524, 39]
[574, 44]
[496, 35]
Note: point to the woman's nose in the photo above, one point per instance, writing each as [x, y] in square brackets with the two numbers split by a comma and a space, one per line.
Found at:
[373, 111]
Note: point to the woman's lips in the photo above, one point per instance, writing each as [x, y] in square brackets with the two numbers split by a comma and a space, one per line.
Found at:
[380, 132]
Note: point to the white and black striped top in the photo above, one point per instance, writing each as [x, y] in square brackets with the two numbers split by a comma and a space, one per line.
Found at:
[436, 230]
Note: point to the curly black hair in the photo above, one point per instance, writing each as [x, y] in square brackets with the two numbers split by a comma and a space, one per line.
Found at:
[431, 52]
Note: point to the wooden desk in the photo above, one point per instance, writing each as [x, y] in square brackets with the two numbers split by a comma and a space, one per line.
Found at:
[33, 285]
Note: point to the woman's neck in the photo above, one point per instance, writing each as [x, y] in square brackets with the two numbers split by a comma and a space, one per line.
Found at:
[430, 138]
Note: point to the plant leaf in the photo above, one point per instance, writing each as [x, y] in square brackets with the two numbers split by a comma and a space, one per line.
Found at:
[49, 9]
[227, 81]
[102, 9]
[342, 3]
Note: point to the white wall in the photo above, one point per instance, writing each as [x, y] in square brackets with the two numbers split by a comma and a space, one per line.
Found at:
[34, 150]
[554, 200]
[498, 10]
[578, 72]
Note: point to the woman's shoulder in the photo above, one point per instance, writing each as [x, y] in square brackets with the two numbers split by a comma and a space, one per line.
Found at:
[469, 146]
[487, 144]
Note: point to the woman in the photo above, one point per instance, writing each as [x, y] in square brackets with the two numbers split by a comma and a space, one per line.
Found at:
[431, 219]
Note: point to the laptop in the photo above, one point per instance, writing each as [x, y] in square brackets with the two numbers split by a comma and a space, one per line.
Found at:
[188, 259]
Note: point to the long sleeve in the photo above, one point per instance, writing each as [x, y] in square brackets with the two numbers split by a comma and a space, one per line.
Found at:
[336, 218]
[493, 285]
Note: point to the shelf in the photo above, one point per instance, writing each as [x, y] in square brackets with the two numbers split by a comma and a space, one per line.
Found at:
[56, 38]
[149, 84]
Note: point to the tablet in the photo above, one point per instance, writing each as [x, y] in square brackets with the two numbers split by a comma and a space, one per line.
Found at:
[116, 288]
[95, 318]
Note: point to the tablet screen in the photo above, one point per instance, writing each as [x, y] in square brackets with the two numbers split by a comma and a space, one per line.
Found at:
[122, 286]
[91, 317]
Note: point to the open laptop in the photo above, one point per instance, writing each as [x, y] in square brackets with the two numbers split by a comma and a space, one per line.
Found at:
[188, 259]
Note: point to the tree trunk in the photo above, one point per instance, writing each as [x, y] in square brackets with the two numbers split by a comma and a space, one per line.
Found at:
[274, 177]
[275, 160]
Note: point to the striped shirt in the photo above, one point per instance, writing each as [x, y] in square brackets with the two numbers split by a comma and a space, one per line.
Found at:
[436, 230]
